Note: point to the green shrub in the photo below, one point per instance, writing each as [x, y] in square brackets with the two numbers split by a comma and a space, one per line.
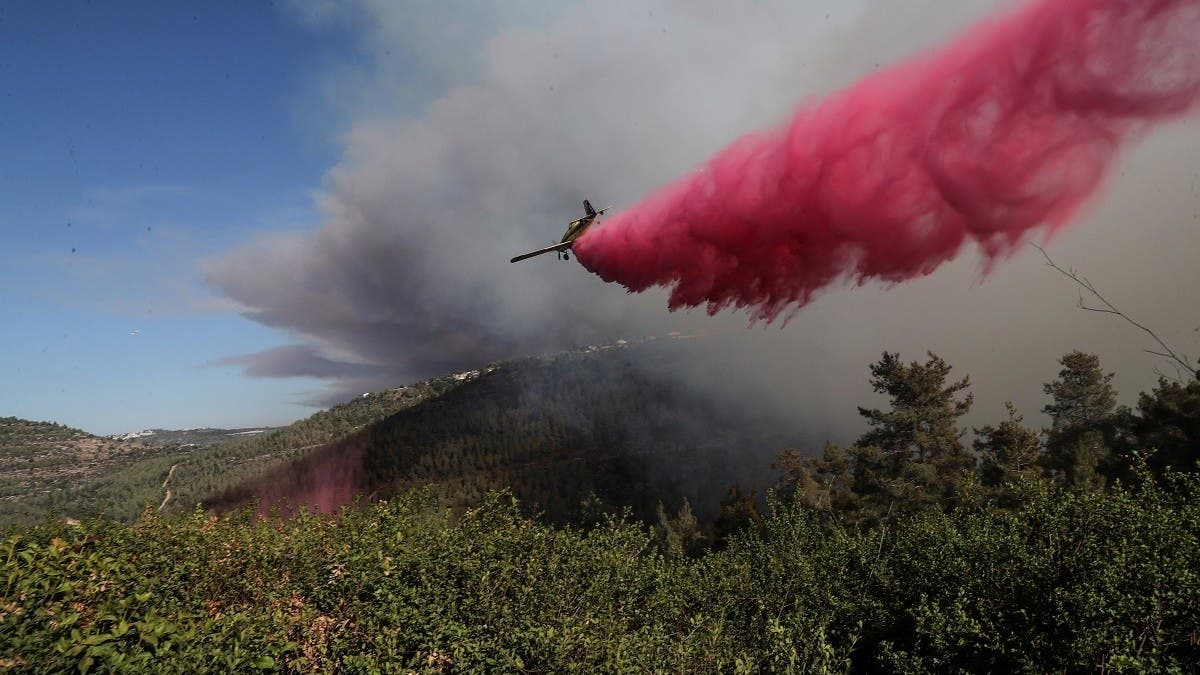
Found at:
[1069, 582]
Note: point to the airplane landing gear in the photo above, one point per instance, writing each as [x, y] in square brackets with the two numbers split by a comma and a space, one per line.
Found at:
[566, 256]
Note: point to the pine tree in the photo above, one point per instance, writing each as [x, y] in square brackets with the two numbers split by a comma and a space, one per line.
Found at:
[738, 513]
[913, 455]
[911, 458]
[922, 424]
[1084, 422]
[1167, 426]
[679, 536]
[822, 483]
[1008, 450]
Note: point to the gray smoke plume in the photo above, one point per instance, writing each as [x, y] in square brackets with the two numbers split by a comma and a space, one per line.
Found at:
[541, 105]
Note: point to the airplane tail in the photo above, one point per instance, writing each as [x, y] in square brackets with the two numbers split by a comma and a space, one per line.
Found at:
[587, 207]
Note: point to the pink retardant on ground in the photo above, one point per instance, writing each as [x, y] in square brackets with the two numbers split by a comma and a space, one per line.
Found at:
[1010, 128]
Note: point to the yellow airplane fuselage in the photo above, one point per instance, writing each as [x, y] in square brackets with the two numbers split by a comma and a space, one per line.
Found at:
[577, 228]
[574, 230]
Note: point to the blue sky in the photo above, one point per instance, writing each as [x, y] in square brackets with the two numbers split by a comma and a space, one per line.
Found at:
[137, 139]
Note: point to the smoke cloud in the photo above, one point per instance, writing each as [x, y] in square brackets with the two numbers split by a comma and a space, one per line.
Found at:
[409, 271]
[407, 274]
[293, 361]
[1010, 128]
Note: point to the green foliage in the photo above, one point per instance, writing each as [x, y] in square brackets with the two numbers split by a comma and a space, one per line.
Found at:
[913, 450]
[739, 513]
[911, 458]
[679, 536]
[922, 421]
[1084, 422]
[1067, 582]
[15, 431]
[1007, 452]
[1167, 426]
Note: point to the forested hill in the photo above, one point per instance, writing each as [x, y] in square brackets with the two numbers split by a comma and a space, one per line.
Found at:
[569, 434]
[81, 475]
[556, 429]
[41, 459]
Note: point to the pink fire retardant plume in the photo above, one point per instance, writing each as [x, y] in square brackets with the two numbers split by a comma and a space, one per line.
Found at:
[1011, 127]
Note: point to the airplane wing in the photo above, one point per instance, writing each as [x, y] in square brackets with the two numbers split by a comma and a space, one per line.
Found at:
[557, 247]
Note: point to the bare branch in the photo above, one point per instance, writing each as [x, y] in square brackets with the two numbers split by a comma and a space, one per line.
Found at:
[1176, 378]
[1098, 310]
[1109, 308]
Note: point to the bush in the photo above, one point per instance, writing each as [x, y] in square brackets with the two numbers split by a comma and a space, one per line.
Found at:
[1067, 582]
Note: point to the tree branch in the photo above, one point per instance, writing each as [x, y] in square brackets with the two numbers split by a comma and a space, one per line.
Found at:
[1176, 378]
[1109, 308]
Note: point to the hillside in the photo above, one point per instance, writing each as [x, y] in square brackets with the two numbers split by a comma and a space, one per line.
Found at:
[174, 470]
[41, 459]
[593, 426]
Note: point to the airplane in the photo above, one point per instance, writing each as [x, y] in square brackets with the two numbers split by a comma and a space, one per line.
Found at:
[574, 229]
